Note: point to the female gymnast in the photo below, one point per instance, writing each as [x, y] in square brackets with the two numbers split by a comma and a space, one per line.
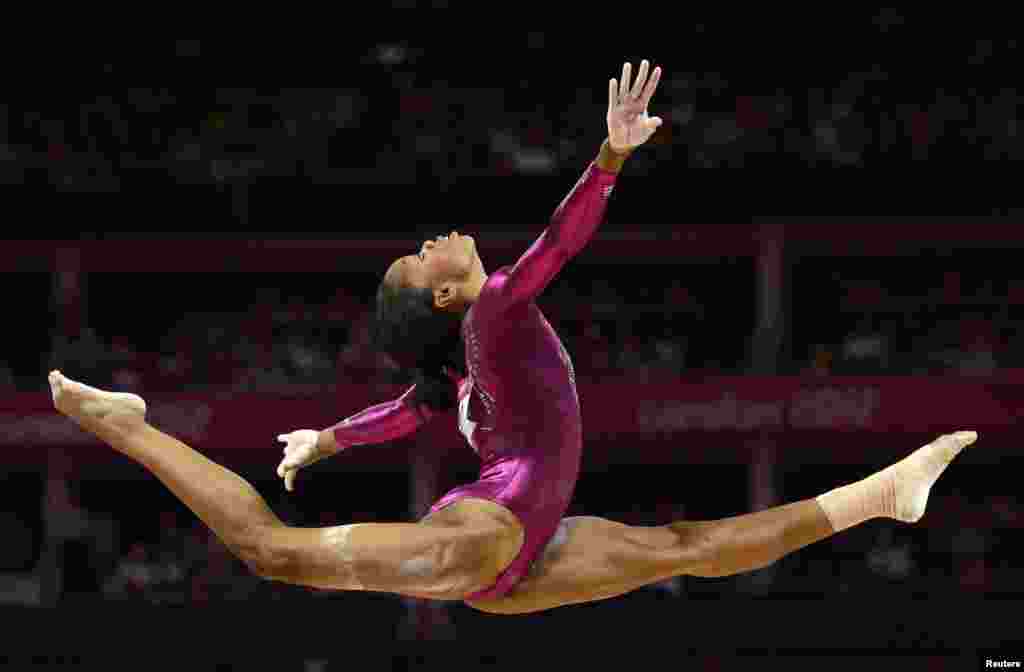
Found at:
[500, 544]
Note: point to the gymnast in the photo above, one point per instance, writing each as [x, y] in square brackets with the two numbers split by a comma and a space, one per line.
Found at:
[479, 342]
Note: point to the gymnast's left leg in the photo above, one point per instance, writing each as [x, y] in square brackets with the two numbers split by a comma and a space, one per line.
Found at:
[443, 561]
[593, 558]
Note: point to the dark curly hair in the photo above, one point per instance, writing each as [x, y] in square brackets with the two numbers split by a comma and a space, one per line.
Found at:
[424, 341]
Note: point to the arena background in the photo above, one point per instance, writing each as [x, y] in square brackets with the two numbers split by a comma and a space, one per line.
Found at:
[812, 269]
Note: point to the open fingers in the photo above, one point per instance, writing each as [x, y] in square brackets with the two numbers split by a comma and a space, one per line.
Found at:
[641, 77]
[641, 89]
[648, 91]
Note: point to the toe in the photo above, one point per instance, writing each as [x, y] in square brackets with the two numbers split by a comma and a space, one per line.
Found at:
[966, 438]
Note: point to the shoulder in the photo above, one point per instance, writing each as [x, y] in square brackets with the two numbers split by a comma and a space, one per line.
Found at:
[499, 287]
[496, 281]
[495, 296]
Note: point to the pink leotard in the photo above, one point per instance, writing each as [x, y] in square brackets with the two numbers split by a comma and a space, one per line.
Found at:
[518, 407]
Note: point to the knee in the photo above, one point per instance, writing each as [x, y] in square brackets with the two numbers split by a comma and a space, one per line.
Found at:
[698, 547]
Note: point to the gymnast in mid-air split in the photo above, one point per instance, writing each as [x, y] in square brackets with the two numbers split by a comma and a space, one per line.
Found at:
[479, 342]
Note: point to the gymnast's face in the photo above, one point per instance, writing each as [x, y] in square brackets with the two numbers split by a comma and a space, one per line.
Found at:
[448, 265]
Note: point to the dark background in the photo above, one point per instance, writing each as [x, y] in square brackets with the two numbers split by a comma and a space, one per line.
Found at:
[212, 216]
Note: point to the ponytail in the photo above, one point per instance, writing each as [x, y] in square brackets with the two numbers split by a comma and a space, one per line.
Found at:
[425, 342]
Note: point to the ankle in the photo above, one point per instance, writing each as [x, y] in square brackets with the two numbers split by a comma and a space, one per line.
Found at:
[853, 504]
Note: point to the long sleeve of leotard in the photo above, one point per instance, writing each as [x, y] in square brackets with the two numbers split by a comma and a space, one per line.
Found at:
[571, 226]
[383, 422]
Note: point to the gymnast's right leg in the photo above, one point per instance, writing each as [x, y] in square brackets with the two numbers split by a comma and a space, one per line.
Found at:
[593, 558]
[447, 561]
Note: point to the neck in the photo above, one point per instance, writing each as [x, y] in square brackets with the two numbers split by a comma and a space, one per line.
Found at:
[474, 289]
[471, 292]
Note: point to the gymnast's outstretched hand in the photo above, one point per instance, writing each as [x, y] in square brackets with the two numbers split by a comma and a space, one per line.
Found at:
[301, 450]
[628, 123]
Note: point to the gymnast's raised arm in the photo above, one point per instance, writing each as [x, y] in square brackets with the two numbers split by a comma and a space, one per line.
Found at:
[581, 212]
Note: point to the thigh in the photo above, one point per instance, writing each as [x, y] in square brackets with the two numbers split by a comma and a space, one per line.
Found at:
[588, 558]
[446, 562]
[456, 552]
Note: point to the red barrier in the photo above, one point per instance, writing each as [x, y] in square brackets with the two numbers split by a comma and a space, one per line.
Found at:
[819, 419]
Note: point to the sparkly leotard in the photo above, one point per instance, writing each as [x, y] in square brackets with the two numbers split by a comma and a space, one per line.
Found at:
[518, 407]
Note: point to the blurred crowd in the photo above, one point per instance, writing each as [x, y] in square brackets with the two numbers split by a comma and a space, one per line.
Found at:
[941, 328]
[277, 347]
[665, 332]
[403, 115]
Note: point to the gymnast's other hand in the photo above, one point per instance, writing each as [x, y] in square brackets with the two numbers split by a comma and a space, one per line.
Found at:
[301, 449]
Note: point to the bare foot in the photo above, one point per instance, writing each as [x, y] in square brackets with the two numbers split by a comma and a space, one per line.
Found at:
[81, 402]
[913, 476]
